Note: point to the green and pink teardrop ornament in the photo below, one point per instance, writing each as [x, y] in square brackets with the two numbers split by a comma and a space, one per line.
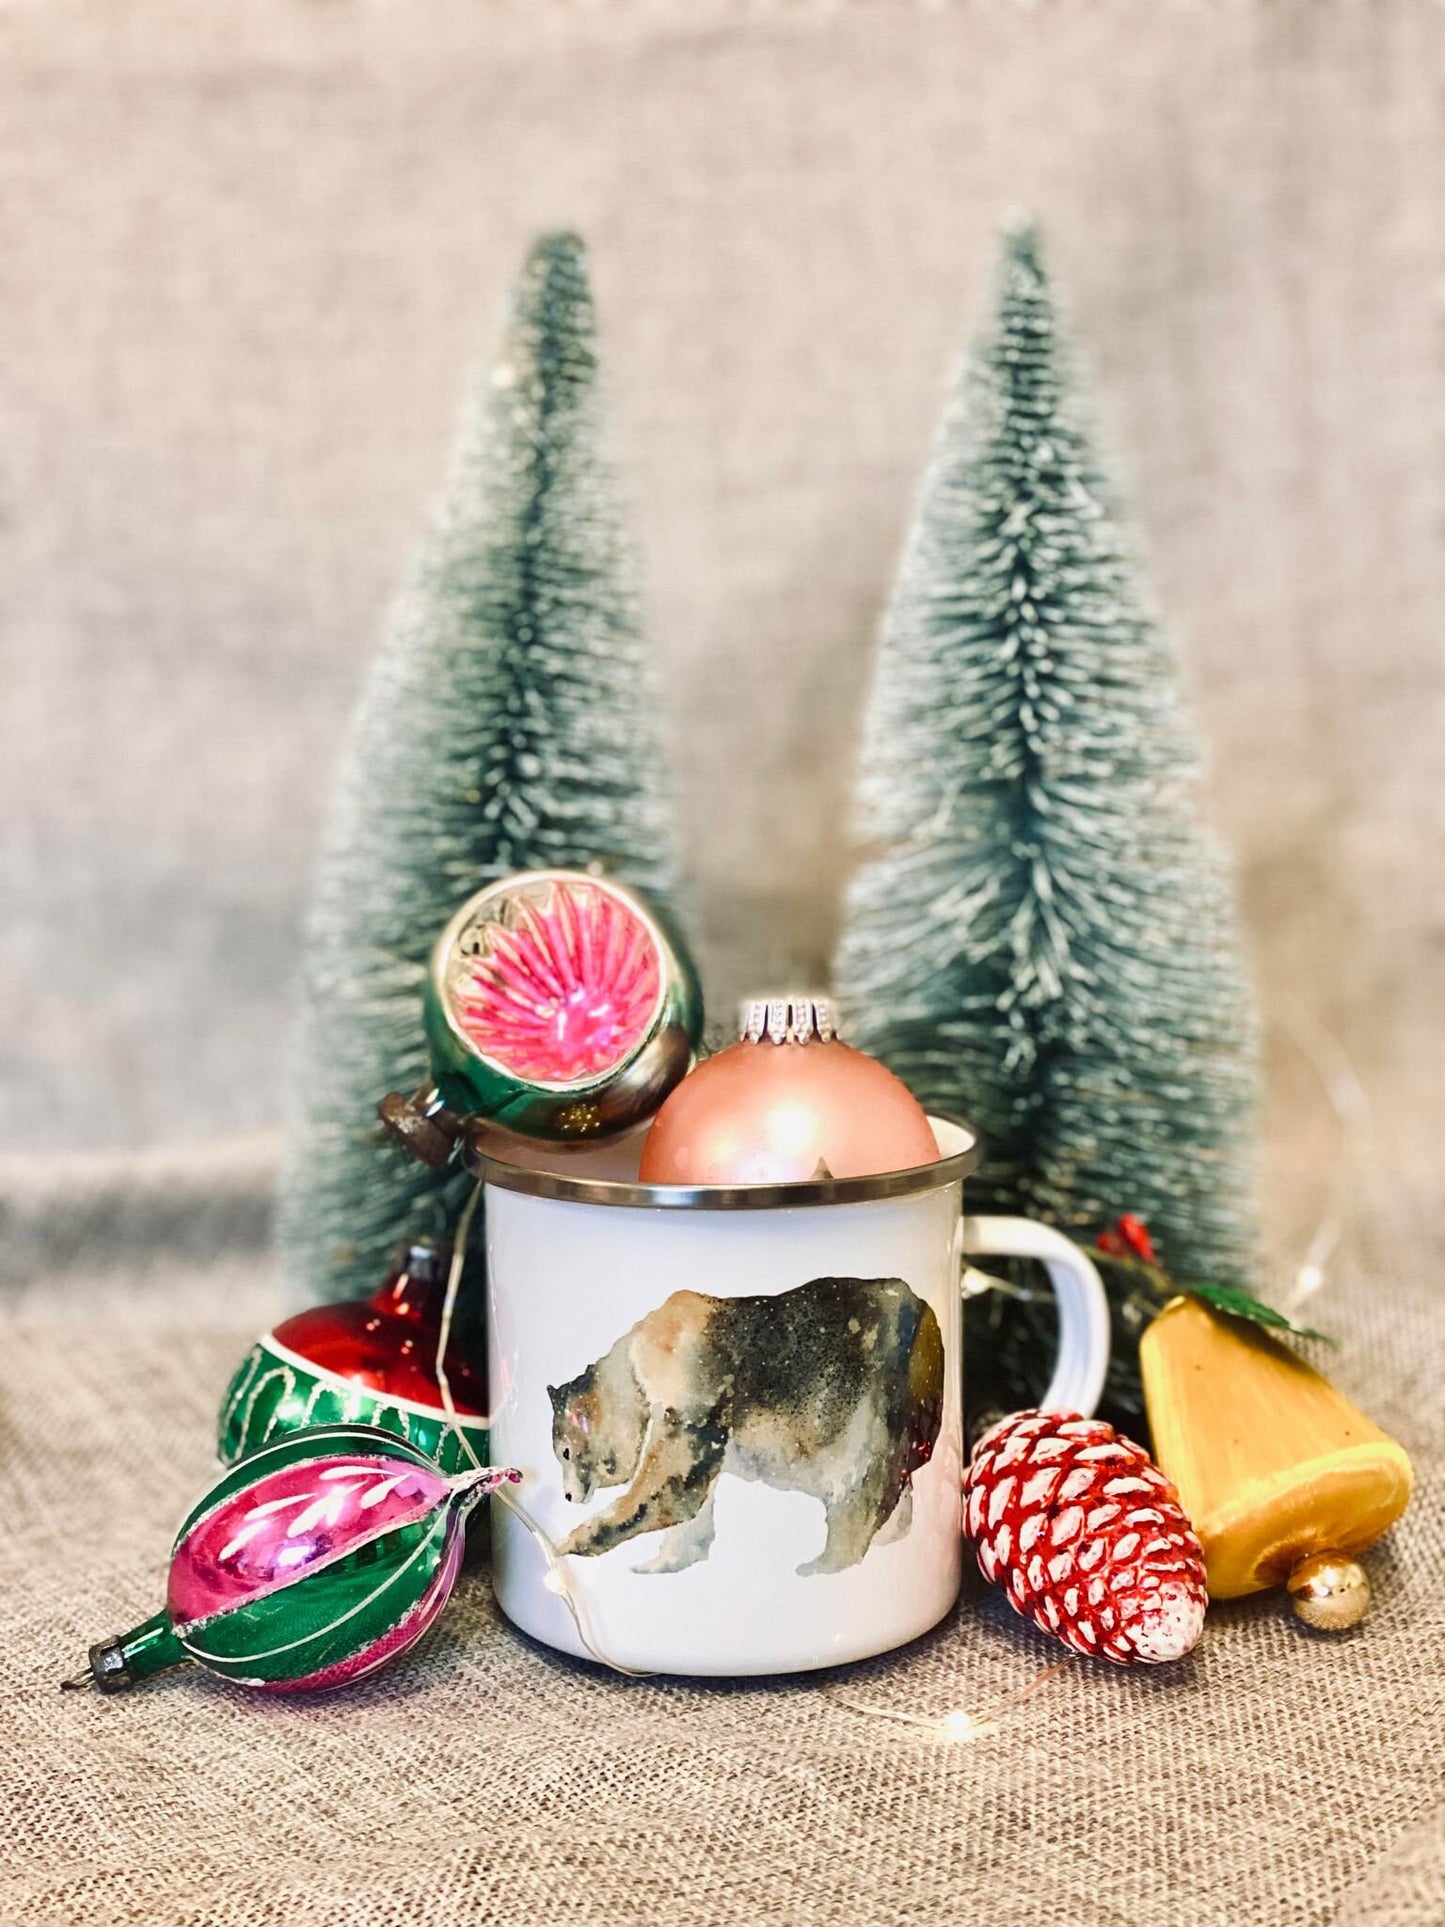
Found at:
[306, 1566]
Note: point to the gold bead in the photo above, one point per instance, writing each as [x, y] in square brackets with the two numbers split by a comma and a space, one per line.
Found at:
[1329, 1592]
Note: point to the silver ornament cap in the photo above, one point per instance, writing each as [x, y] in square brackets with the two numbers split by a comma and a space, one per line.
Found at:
[787, 1020]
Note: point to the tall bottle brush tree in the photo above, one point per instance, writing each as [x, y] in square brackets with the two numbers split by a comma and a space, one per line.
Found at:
[507, 724]
[1041, 934]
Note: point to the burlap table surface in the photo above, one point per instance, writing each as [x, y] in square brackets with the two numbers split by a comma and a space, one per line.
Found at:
[1274, 1776]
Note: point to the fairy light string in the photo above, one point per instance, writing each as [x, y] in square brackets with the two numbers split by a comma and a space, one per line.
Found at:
[557, 1580]
[1334, 1072]
[961, 1724]
[449, 1305]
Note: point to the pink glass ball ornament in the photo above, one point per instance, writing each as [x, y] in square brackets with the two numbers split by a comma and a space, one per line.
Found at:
[789, 1102]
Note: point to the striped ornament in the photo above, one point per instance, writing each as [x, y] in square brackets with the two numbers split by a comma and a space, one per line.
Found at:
[311, 1563]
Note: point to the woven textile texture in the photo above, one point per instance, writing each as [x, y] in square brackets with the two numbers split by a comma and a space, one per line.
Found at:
[249, 255]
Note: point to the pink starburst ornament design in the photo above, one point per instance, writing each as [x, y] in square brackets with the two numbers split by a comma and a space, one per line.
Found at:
[564, 991]
[560, 1005]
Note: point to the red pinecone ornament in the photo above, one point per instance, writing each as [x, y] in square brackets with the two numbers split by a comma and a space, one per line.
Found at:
[1087, 1535]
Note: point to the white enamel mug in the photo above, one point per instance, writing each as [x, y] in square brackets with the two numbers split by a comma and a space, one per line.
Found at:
[737, 1410]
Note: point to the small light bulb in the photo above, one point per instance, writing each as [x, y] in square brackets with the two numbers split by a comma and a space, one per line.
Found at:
[1308, 1280]
[957, 1726]
[554, 1582]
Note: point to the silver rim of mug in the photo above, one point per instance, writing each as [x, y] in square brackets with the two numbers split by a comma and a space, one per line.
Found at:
[911, 1182]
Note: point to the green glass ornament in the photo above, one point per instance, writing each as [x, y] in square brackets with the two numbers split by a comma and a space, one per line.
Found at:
[370, 1361]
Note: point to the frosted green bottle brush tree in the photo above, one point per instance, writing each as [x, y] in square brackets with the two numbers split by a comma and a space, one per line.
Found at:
[508, 723]
[1041, 932]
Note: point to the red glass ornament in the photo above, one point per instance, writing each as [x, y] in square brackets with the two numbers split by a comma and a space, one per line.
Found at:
[372, 1361]
[785, 1105]
[388, 1342]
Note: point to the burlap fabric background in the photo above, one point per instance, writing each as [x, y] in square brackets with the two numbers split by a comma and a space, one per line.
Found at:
[248, 253]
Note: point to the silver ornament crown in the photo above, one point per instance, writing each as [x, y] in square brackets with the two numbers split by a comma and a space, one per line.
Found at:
[788, 1020]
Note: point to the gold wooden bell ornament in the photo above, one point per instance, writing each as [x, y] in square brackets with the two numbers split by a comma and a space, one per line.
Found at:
[1283, 1478]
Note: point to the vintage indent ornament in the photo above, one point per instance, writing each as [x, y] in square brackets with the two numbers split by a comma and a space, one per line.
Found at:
[557, 1005]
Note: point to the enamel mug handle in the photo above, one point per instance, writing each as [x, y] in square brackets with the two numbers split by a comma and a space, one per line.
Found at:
[1078, 1379]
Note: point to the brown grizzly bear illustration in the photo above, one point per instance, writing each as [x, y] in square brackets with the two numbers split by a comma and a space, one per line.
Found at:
[834, 1388]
